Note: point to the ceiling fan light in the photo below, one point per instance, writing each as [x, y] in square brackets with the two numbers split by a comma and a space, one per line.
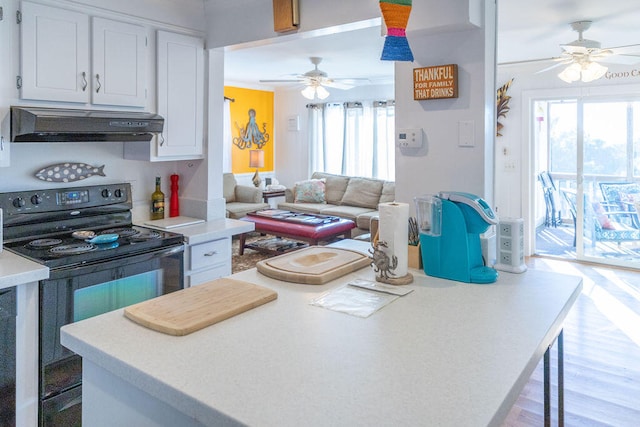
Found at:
[593, 71]
[571, 73]
[308, 92]
[322, 92]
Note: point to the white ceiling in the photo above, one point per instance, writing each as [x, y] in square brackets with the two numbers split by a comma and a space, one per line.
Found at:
[526, 30]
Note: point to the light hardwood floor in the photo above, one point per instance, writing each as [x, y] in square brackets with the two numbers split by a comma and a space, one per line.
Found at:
[601, 352]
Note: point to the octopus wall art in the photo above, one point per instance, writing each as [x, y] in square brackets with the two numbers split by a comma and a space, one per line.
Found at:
[251, 137]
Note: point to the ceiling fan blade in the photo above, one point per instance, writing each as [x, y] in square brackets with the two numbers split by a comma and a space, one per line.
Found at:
[617, 59]
[556, 65]
[337, 85]
[632, 49]
[533, 61]
[282, 81]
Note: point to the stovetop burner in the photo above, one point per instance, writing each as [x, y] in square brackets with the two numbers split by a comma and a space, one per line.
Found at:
[65, 250]
[44, 243]
[121, 231]
[72, 249]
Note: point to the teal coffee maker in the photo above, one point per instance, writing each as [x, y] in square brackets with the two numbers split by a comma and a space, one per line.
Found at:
[450, 226]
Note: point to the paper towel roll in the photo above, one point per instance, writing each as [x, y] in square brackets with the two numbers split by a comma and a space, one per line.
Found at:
[394, 231]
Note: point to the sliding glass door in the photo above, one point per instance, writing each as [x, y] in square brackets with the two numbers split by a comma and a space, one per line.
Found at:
[591, 148]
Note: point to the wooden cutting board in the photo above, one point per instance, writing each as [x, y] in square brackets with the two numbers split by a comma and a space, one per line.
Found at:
[314, 265]
[188, 310]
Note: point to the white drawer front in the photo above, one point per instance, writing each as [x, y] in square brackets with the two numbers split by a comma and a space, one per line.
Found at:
[208, 275]
[210, 253]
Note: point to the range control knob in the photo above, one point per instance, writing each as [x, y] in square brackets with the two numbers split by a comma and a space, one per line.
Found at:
[18, 202]
[36, 199]
[118, 193]
[106, 193]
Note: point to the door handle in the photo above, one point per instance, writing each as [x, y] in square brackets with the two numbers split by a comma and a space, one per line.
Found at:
[84, 81]
[99, 85]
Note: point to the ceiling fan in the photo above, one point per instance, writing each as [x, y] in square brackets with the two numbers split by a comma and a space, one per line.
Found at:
[584, 58]
[316, 80]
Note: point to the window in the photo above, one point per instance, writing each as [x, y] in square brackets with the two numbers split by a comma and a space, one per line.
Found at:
[354, 138]
[610, 132]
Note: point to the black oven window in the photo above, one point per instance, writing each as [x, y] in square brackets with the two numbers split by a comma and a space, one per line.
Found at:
[108, 296]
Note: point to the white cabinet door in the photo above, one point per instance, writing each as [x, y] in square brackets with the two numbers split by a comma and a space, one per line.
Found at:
[180, 95]
[55, 54]
[119, 59]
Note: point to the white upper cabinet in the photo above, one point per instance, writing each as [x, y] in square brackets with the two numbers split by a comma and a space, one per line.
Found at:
[62, 61]
[119, 63]
[55, 54]
[180, 94]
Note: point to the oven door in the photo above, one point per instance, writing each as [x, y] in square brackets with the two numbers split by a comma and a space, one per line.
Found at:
[74, 294]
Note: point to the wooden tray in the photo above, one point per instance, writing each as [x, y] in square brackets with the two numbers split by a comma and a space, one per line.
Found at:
[314, 265]
[191, 309]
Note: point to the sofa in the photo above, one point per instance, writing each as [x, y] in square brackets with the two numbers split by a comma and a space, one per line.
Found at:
[240, 199]
[353, 198]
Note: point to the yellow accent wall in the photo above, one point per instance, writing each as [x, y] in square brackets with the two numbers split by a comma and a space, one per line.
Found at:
[262, 102]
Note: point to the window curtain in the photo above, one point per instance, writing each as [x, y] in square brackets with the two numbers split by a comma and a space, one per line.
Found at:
[353, 138]
[226, 137]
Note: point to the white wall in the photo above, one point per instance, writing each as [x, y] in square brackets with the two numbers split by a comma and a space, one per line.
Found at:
[442, 164]
[27, 158]
[240, 21]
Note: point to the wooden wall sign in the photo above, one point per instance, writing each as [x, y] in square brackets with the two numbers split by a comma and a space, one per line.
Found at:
[440, 81]
[285, 15]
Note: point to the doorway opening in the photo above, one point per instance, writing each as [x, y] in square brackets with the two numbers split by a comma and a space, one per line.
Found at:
[588, 172]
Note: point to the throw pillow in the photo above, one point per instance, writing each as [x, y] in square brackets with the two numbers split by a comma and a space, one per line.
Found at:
[229, 187]
[388, 192]
[363, 193]
[603, 219]
[310, 191]
[335, 186]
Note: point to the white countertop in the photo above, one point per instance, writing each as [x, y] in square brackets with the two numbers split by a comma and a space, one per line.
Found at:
[210, 230]
[16, 270]
[449, 353]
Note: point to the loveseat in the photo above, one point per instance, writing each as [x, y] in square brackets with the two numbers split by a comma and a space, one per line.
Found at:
[240, 199]
[353, 198]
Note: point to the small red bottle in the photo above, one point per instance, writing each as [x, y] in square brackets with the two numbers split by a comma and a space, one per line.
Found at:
[174, 204]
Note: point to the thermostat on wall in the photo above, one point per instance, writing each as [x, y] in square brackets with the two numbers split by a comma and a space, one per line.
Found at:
[409, 138]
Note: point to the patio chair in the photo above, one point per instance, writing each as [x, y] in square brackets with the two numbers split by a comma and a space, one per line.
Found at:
[623, 197]
[599, 224]
[549, 190]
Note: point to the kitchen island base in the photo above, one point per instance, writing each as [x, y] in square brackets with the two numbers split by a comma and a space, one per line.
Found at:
[108, 400]
[435, 355]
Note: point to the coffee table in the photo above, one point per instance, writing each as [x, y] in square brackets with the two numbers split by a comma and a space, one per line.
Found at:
[309, 233]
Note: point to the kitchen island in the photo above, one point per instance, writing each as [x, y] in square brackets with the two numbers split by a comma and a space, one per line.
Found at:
[448, 353]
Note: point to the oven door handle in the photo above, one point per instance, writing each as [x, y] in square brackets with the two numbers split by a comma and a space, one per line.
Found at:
[169, 251]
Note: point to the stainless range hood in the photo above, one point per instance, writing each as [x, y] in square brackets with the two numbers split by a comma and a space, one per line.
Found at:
[35, 124]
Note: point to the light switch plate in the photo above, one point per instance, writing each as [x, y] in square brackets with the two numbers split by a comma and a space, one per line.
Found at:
[465, 133]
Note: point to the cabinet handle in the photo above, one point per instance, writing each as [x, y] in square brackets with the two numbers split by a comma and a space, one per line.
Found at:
[212, 253]
[84, 81]
[161, 139]
[99, 85]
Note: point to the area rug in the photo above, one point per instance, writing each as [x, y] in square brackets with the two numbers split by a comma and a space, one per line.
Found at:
[250, 257]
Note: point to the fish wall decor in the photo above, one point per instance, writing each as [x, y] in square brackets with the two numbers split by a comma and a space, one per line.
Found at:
[69, 172]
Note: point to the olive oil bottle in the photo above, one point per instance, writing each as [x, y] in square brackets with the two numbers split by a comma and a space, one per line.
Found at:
[157, 202]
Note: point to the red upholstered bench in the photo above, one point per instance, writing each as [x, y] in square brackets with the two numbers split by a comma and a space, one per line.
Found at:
[310, 233]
